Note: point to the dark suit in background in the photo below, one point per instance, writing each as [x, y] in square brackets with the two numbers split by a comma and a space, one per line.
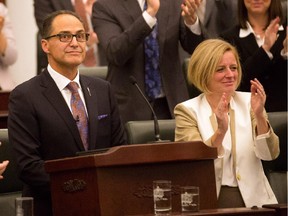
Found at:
[41, 9]
[121, 30]
[219, 16]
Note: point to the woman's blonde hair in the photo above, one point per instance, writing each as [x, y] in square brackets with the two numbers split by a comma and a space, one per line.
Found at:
[204, 61]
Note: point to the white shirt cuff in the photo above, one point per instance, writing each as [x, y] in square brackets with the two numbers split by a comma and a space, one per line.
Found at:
[151, 21]
[195, 28]
[264, 136]
[284, 55]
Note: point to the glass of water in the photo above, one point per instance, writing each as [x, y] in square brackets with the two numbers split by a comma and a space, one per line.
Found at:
[162, 197]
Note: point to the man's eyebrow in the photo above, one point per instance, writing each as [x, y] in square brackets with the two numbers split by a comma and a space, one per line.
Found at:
[64, 32]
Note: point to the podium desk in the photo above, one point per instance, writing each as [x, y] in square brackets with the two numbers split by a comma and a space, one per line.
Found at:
[225, 212]
[281, 209]
[119, 182]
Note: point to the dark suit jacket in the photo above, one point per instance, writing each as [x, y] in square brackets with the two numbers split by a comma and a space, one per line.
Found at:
[41, 127]
[121, 30]
[256, 64]
[219, 16]
[44, 7]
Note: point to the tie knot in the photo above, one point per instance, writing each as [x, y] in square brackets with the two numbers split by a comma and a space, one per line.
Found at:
[73, 87]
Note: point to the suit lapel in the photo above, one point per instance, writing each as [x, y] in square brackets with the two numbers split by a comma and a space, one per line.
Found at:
[57, 101]
[90, 96]
[210, 4]
[163, 20]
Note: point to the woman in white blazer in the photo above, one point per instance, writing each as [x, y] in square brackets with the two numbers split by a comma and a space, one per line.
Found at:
[234, 122]
[8, 51]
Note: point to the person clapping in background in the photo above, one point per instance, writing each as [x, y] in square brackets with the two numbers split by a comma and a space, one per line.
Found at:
[8, 51]
[261, 40]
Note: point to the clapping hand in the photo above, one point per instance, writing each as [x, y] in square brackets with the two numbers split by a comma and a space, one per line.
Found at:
[153, 7]
[258, 97]
[221, 113]
[3, 166]
[1, 23]
[189, 8]
[271, 34]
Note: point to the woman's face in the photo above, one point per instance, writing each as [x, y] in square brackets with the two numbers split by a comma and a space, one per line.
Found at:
[257, 6]
[226, 75]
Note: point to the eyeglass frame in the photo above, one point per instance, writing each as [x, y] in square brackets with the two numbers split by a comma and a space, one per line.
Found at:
[73, 35]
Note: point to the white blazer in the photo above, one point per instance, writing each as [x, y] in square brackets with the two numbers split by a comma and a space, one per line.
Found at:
[10, 55]
[196, 121]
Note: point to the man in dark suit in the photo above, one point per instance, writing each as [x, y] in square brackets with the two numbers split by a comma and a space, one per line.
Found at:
[41, 125]
[122, 27]
[42, 8]
[216, 16]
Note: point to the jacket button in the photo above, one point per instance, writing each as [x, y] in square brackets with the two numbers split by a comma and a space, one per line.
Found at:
[238, 177]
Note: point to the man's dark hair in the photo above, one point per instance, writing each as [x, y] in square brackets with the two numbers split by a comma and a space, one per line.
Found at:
[47, 23]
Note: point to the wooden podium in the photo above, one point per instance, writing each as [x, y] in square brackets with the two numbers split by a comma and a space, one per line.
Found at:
[119, 181]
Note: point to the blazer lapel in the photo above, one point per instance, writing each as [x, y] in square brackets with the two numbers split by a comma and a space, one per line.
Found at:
[91, 104]
[233, 136]
[57, 101]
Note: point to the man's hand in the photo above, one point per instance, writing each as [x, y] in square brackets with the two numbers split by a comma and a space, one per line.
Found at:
[189, 8]
[153, 7]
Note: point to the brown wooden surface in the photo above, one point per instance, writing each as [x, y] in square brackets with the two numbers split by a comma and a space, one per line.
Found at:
[119, 181]
[281, 209]
[225, 212]
[4, 98]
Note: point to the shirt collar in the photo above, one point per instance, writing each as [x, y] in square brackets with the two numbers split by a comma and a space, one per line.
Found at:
[60, 80]
[245, 32]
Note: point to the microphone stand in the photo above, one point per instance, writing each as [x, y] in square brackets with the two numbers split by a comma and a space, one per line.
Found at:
[156, 123]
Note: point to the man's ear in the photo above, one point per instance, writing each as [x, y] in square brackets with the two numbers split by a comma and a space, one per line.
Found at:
[45, 45]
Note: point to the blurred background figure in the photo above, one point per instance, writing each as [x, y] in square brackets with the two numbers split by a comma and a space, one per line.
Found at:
[84, 9]
[8, 50]
[217, 16]
[125, 30]
[261, 40]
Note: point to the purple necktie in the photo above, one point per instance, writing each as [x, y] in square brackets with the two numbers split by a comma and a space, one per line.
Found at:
[152, 74]
[79, 113]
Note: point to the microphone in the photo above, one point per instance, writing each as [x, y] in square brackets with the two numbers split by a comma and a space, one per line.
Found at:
[156, 123]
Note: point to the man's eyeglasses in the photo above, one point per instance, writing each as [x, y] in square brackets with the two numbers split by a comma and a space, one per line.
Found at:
[68, 37]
